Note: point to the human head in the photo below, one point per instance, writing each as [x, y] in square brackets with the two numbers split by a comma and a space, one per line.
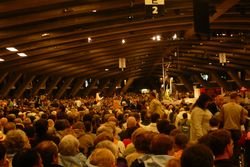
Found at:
[154, 117]
[9, 126]
[41, 127]
[16, 140]
[234, 96]
[109, 145]
[219, 100]
[106, 160]
[164, 126]
[162, 144]
[131, 122]
[48, 151]
[69, 145]
[27, 158]
[143, 140]
[103, 136]
[213, 122]
[185, 116]
[181, 140]
[196, 156]
[219, 141]
[202, 101]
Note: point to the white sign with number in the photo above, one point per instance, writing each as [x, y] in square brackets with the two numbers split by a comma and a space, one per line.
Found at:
[154, 2]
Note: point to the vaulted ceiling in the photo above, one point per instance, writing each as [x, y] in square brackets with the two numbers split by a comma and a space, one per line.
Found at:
[55, 35]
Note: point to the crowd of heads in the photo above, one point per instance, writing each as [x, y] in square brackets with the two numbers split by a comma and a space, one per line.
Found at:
[98, 133]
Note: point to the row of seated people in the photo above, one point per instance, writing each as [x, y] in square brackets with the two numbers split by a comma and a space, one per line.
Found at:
[63, 144]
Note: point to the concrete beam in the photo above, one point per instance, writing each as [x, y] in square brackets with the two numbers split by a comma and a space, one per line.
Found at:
[76, 87]
[63, 88]
[128, 84]
[2, 76]
[37, 87]
[49, 90]
[89, 88]
[188, 85]
[220, 81]
[20, 90]
[10, 83]
[112, 87]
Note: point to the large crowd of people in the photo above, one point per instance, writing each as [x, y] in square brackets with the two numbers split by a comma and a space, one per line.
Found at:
[133, 130]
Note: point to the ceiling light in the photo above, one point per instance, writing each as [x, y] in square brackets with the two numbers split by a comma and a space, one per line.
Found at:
[1, 60]
[174, 36]
[175, 54]
[123, 41]
[89, 39]
[22, 54]
[210, 63]
[94, 11]
[45, 34]
[12, 49]
[106, 69]
[158, 37]
[201, 43]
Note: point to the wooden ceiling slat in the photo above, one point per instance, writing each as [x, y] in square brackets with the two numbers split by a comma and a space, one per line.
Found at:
[66, 53]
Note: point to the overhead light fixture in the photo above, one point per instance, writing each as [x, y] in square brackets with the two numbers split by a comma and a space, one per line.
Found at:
[22, 54]
[122, 63]
[106, 69]
[94, 11]
[45, 34]
[123, 41]
[1, 60]
[222, 58]
[12, 49]
[89, 39]
[174, 36]
[156, 38]
[210, 63]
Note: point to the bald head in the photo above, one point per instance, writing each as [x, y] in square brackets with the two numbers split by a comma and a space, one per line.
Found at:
[131, 122]
[219, 100]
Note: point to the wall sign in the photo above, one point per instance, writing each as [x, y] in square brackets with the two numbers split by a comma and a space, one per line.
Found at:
[154, 7]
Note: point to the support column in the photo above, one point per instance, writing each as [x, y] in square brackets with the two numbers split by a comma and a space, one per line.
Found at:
[128, 84]
[220, 82]
[77, 87]
[187, 84]
[37, 87]
[20, 90]
[63, 88]
[53, 84]
[113, 87]
[237, 80]
[2, 76]
[10, 83]
[104, 84]
[89, 88]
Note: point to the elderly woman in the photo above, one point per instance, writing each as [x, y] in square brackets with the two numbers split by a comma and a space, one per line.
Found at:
[16, 140]
[106, 160]
[70, 155]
